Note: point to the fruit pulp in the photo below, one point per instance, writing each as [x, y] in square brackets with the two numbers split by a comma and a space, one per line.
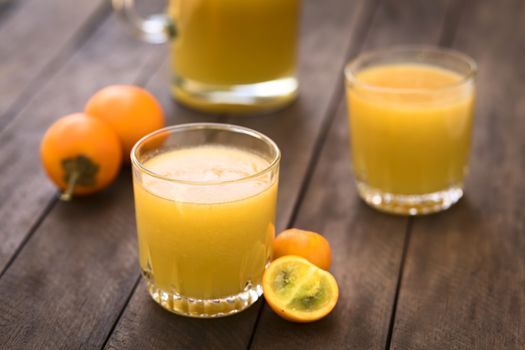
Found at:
[234, 56]
[410, 128]
[299, 291]
[205, 233]
[230, 42]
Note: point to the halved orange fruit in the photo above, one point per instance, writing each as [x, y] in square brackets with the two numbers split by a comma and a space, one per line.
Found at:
[299, 291]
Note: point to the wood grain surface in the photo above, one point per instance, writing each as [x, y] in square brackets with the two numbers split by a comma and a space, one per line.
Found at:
[464, 279]
[110, 56]
[35, 40]
[367, 245]
[296, 130]
[69, 275]
[67, 286]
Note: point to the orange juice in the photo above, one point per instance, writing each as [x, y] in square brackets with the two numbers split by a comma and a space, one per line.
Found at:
[410, 128]
[231, 42]
[205, 236]
[226, 56]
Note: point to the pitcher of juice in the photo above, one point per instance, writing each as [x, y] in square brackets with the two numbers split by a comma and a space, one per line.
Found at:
[226, 56]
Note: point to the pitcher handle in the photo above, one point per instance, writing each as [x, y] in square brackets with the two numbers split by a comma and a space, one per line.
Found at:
[154, 29]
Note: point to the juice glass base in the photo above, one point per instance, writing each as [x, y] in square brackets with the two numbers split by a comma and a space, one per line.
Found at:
[205, 308]
[409, 204]
[235, 99]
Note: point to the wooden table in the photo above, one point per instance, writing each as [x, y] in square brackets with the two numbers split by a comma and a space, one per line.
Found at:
[69, 276]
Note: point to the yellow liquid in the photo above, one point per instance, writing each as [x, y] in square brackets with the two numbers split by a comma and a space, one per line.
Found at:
[415, 142]
[229, 42]
[205, 241]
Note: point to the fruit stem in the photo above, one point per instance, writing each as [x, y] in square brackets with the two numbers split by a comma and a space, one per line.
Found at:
[68, 194]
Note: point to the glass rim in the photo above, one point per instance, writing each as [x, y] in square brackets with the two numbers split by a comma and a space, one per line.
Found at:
[205, 126]
[350, 70]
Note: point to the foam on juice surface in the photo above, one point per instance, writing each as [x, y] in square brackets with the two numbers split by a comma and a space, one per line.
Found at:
[210, 173]
[409, 76]
[414, 86]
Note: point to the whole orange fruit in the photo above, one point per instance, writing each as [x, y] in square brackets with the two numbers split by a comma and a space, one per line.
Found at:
[309, 245]
[81, 155]
[130, 110]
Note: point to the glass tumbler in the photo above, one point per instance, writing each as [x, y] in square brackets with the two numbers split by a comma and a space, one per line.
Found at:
[205, 198]
[410, 116]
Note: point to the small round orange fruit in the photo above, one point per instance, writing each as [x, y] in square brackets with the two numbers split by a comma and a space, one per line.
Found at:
[310, 245]
[299, 291]
[130, 110]
[81, 155]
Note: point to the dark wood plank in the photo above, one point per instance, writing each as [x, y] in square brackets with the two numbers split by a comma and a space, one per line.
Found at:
[366, 248]
[64, 290]
[296, 130]
[35, 40]
[464, 278]
[45, 300]
[111, 56]
[145, 325]
[367, 245]
[408, 22]
[8, 8]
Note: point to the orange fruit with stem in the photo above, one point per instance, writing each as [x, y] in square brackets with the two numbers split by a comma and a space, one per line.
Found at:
[130, 110]
[298, 290]
[310, 245]
[81, 155]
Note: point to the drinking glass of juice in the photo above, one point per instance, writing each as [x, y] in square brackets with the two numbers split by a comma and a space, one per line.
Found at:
[205, 197]
[226, 55]
[410, 117]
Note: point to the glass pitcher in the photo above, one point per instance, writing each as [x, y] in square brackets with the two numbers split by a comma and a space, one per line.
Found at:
[226, 56]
